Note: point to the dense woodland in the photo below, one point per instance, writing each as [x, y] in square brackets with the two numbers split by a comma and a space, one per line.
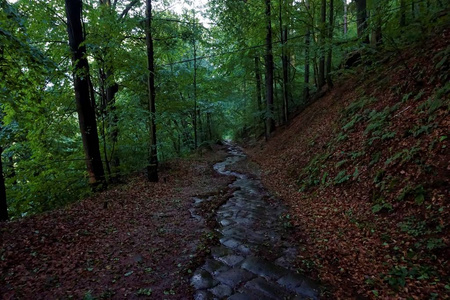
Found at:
[95, 91]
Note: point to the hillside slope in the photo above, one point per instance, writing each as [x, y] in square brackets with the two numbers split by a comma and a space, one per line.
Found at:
[365, 171]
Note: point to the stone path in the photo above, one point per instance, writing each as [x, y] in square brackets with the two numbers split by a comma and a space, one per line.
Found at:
[234, 271]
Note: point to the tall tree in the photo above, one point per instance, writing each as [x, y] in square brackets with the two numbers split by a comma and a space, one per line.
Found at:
[361, 20]
[196, 117]
[269, 72]
[152, 168]
[377, 35]
[323, 16]
[284, 61]
[258, 91]
[402, 13]
[307, 50]
[330, 45]
[84, 103]
[3, 203]
[345, 18]
[108, 90]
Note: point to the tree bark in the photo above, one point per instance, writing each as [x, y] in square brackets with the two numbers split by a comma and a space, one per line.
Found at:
[402, 13]
[3, 203]
[345, 18]
[323, 15]
[195, 117]
[285, 65]
[361, 20]
[85, 108]
[258, 93]
[152, 168]
[109, 88]
[330, 43]
[269, 73]
[307, 59]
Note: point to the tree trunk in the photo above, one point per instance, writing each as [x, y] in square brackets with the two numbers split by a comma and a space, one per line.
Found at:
[85, 108]
[376, 38]
[258, 93]
[152, 168]
[3, 203]
[285, 65]
[307, 45]
[109, 90]
[195, 117]
[361, 20]
[209, 125]
[330, 44]
[402, 13]
[269, 73]
[323, 16]
[345, 18]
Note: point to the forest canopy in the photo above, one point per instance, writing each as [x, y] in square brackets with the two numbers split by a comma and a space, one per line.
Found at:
[92, 91]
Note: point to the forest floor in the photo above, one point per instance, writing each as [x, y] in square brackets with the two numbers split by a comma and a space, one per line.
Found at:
[365, 172]
[136, 239]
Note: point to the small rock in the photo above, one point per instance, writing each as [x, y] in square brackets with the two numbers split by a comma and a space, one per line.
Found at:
[263, 268]
[221, 290]
[202, 280]
[234, 276]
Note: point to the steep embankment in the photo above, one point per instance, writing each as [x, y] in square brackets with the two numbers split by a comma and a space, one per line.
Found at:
[365, 171]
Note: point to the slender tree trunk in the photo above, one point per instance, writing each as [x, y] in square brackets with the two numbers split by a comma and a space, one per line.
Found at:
[307, 59]
[209, 125]
[196, 113]
[345, 18]
[152, 168]
[258, 93]
[361, 20]
[85, 108]
[330, 44]
[285, 65]
[377, 35]
[323, 15]
[113, 129]
[269, 73]
[110, 88]
[402, 13]
[3, 203]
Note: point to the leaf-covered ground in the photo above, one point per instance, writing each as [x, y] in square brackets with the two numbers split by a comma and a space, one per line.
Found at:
[365, 171]
[134, 240]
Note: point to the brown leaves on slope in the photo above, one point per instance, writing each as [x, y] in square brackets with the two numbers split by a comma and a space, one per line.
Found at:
[139, 245]
[347, 246]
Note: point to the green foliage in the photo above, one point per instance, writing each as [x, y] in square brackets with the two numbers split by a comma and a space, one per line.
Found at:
[403, 156]
[341, 177]
[418, 193]
[43, 158]
[311, 174]
[381, 206]
[144, 292]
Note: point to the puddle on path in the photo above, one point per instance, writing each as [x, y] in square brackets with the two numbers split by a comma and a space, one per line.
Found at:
[234, 270]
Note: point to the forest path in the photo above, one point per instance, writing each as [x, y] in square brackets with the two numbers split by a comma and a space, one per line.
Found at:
[253, 259]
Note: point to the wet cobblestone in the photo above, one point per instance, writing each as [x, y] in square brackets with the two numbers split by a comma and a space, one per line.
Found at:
[247, 221]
